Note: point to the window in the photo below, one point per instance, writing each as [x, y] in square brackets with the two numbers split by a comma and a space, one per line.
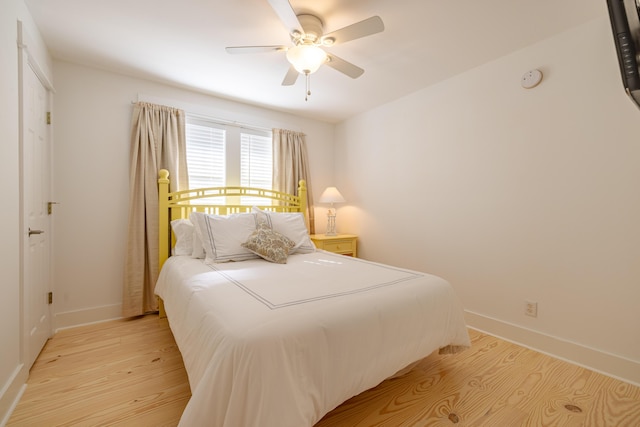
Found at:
[256, 161]
[205, 155]
[223, 155]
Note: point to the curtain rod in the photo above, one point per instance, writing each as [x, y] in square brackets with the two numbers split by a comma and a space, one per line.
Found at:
[228, 122]
[222, 122]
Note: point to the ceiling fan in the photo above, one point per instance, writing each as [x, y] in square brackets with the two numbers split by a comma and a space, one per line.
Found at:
[307, 34]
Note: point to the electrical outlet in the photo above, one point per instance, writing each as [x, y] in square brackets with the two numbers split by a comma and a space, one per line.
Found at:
[531, 308]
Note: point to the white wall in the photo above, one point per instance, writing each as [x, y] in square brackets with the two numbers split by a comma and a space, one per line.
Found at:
[91, 178]
[9, 216]
[513, 195]
[12, 371]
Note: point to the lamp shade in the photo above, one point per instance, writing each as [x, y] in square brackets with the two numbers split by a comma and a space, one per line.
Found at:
[331, 195]
[306, 58]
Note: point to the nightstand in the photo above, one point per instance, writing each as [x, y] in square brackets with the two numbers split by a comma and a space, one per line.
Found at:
[344, 244]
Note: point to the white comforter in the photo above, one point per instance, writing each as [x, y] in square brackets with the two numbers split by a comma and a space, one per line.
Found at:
[277, 345]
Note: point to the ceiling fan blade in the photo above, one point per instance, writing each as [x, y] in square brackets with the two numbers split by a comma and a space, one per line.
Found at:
[291, 77]
[360, 29]
[255, 49]
[287, 15]
[344, 67]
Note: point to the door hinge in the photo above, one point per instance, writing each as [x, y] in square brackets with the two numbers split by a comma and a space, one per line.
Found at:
[50, 297]
[48, 117]
[50, 207]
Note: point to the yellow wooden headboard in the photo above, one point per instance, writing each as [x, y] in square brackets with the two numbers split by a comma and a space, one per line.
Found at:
[219, 201]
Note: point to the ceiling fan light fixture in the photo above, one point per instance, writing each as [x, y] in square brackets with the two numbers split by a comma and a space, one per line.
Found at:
[306, 58]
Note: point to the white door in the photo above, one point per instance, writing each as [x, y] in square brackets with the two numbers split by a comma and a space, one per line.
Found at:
[37, 234]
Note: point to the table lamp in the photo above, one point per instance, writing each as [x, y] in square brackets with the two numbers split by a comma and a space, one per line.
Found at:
[331, 195]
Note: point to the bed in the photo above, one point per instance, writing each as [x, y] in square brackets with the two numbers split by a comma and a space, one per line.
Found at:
[268, 341]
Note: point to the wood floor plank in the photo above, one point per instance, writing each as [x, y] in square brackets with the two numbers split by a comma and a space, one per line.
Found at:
[130, 373]
[116, 373]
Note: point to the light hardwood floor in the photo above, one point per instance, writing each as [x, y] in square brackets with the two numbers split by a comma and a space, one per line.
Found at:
[130, 373]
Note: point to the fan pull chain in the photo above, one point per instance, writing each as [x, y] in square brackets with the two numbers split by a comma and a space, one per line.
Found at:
[308, 94]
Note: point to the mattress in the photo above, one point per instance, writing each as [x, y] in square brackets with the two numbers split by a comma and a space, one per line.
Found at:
[281, 345]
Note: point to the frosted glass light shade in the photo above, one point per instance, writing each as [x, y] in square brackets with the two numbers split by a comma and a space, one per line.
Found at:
[306, 58]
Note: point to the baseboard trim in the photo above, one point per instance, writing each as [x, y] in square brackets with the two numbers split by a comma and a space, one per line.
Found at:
[71, 319]
[12, 392]
[612, 365]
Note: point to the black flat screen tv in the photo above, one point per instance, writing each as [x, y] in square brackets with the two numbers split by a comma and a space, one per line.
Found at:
[625, 23]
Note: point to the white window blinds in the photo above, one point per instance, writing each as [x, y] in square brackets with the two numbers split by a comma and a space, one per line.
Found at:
[205, 155]
[256, 162]
[225, 155]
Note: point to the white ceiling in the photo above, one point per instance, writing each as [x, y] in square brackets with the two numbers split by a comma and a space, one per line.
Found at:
[181, 42]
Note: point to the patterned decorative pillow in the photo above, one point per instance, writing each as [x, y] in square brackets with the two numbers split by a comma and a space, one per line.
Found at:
[269, 244]
[291, 224]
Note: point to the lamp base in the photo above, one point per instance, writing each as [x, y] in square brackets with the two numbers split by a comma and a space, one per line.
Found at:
[331, 224]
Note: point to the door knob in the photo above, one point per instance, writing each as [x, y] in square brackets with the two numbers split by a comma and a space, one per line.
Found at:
[35, 232]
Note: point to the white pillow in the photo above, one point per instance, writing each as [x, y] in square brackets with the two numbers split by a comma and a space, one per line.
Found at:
[223, 236]
[292, 225]
[197, 221]
[183, 231]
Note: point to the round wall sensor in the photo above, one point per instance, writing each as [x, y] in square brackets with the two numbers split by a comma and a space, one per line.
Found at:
[531, 79]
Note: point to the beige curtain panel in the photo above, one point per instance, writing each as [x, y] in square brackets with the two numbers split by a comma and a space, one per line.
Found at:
[290, 165]
[157, 142]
